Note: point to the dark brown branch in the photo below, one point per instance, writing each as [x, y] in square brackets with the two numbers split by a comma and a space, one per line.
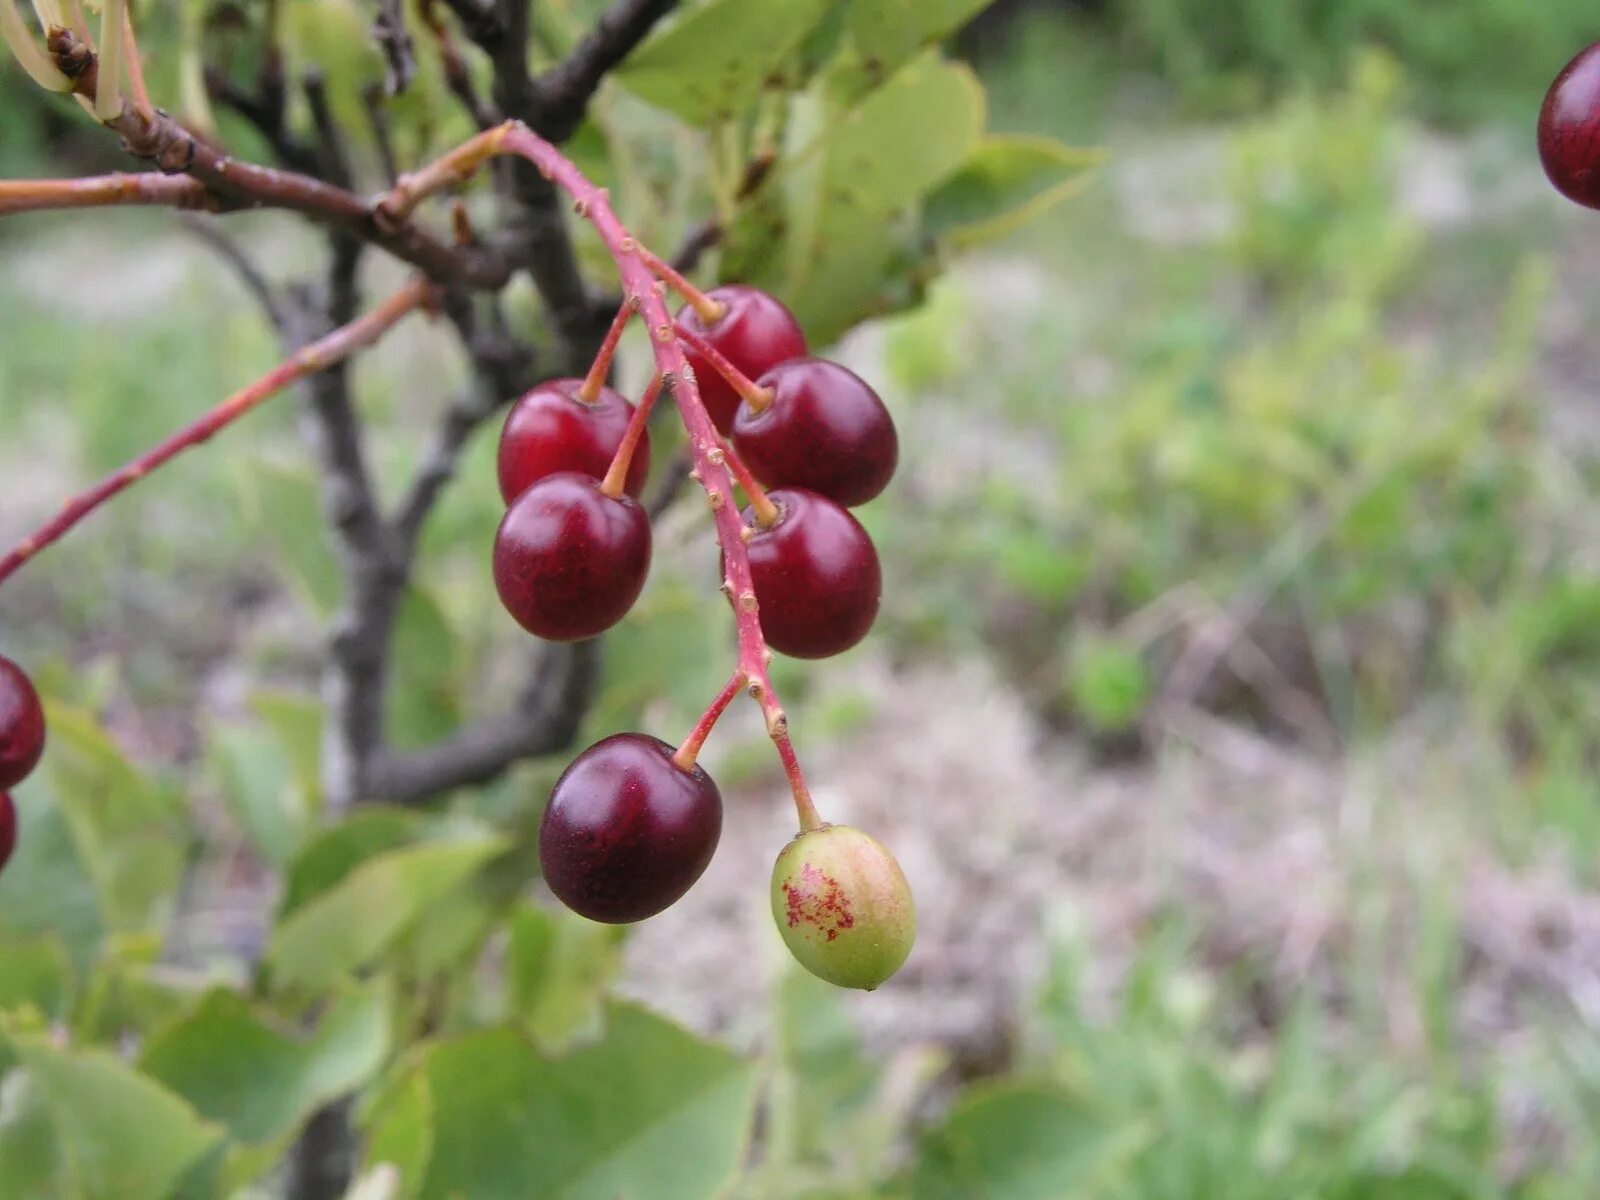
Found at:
[333, 164]
[266, 110]
[160, 139]
[546, 719]
[394, 39]
[503, 367]
[323, 1162]
[561, 95]
[457, 76]
[355, 684]
[372, 99]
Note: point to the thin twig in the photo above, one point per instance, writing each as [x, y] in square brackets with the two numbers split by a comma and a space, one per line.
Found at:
[546, 719]
[320, 355]
[394, 39]
[160, 139]
[562, 94]
[105, 191]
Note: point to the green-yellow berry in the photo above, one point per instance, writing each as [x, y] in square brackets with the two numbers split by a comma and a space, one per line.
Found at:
[843, 906]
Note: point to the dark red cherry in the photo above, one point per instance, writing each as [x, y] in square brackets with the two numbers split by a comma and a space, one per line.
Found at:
[628, 831]
[816, 575]
[1569, 129]
[569, 561]
[551, 429]
[8, 828]
[825, 430]
[755, 334]
[21, 725]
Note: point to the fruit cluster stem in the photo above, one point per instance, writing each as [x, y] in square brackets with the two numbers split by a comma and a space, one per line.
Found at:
[589, 391]
[616, 478]
[758, 398]
[308, 360]
[639, 281]
[708, 310]
[690, 750]
[766, 511]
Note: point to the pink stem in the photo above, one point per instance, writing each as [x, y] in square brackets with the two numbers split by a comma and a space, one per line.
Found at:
[690, 750]
[617, 474]
[710, 311]
[589, 392]
[756, 397]
[103, 191]
[308, 360]
[766, 511]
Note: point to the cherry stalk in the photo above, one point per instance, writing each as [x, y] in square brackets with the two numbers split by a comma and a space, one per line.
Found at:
[308, 360]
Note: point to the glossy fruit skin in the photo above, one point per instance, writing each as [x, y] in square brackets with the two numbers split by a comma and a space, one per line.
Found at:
[21, 725]
[825, 430]
[569, 561]
[627, 831]
[816, 575]
[755, 334]
[550, 429]
[1569, 129]
[843, 906]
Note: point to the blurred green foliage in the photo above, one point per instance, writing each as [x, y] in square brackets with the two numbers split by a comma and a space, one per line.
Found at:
[1276, 444]
[1467, 59]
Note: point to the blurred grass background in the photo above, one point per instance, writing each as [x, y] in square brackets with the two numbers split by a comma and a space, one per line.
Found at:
[1236, 697]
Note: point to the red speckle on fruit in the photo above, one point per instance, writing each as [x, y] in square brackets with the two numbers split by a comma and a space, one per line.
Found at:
[818, 900]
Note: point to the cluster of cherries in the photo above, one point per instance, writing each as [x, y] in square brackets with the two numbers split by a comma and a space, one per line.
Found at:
[573, 551]
[633, 821]
[21, 745]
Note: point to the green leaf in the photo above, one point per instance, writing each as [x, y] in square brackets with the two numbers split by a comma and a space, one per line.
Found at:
[354, 923]
[426, 702]
[557, 971]
[713, 62]
[845, 222]
[283, 504]
[1018, 1142]
[45, 888]
[236, 1068]
[260, 791]
[402, 1135]
[648, 1113]
[887, 32]
[35, 972]
[122, 1136]
[1009, 180]
[31, 1163]
[338, 850]
[130, 833]
[297, 722]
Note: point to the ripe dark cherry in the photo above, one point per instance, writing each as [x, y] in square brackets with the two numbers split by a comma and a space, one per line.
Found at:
[755, 334]
[569, 561]
[825, 430]
[816, 575]
[8, 828]
[1569, 129]
[21, 725]
[628, 831]
[550, 429]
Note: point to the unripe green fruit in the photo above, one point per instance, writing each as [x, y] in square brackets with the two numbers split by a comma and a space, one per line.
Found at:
[843, 906]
